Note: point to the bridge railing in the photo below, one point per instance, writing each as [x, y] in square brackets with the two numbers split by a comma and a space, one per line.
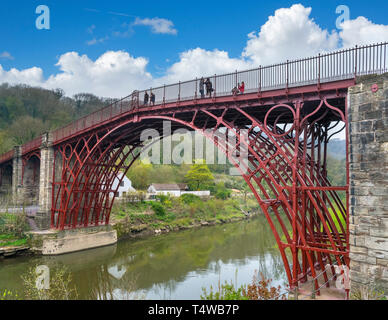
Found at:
[328, 67]
[32, 145]
[7, 156]
[340, 65]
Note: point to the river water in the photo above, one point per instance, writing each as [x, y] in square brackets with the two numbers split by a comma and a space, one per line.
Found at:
[176, 265]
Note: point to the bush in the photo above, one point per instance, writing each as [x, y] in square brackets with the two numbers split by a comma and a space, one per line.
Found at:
[189, 198]
[257, 290]
[158, 209]
[220, 191]
[60, 288]
[163, 198]
[13, 223]
[261, 290]
[226, 292]
[223, 194]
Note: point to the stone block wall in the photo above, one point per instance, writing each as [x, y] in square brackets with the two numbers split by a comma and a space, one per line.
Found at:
[43, 216]
[368, 151]
[17, 166]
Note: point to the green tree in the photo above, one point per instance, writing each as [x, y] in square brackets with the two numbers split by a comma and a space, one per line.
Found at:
[140, 174]
[25, 129]
[199, 175]
[5, 142]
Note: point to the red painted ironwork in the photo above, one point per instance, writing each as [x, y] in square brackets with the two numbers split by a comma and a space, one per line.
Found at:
[303, 210]
[288, 109]
[32, 145]
[375, 88]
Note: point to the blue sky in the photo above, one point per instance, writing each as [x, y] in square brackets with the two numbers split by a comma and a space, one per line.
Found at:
[92, 28]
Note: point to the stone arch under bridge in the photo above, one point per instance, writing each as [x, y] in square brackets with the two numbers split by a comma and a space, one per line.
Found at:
[20, 179]
[6, 182]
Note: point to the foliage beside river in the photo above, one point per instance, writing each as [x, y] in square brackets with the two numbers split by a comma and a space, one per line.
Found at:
[12, 229]
[259, 289]
[170, 213]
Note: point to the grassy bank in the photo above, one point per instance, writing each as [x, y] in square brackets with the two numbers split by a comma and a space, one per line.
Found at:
[12, 229]
[171, 214]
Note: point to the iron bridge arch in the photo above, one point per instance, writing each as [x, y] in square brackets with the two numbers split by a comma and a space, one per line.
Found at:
[286, 170]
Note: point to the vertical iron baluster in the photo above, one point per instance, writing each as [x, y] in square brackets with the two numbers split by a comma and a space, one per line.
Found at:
[215, 86]
[319, 70]
[355, 63]
[287, 76]
[196, 88]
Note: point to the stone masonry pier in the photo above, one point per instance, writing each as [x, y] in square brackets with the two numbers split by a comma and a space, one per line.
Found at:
[368, 116]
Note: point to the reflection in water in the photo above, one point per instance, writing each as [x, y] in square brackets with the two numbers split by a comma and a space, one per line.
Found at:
[169, 266]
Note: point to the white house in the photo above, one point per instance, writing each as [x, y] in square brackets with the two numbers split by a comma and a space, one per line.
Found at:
[124, 187]
[173, 189]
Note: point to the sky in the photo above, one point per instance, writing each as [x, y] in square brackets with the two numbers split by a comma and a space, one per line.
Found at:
[110, 48]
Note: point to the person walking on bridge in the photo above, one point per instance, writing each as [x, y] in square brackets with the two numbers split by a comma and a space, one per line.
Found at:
[209, 87]
[146, 98]
[152, 99]
[241, 87]
[201, 88]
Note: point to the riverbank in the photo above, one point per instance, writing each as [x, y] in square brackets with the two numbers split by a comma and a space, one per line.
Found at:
[142, 219]
[150, 218]
[13, 239]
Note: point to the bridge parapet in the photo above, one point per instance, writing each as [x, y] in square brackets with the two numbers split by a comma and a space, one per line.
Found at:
[368, 115]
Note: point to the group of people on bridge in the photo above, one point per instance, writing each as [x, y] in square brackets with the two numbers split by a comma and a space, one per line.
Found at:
[239, 89]
[209, 87]
[150, 98]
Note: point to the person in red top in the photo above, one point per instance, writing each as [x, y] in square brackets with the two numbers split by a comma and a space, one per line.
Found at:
[242, 87]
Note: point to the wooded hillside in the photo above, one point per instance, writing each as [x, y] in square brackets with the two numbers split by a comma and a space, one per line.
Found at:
[26, 112]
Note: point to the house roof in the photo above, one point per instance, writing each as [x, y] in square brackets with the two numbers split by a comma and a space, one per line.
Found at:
[169, 186]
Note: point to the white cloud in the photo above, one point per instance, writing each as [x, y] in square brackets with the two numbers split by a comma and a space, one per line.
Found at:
[113, 74]
[6, 55]
[199, 62]
[362, 31]
[289, 34]
[158, 25]
[32, 76]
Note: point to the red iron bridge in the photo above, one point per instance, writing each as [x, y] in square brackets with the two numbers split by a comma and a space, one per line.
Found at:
[290, 111]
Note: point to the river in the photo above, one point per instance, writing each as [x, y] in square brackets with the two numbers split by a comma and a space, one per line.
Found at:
[176, 265]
